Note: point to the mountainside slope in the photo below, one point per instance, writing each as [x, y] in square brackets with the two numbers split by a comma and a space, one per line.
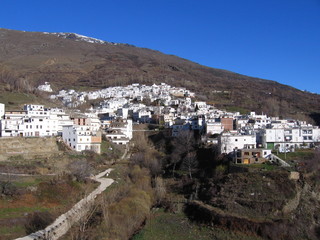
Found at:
[70, 61]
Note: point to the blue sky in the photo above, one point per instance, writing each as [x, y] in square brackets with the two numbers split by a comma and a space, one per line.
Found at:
[275, 39]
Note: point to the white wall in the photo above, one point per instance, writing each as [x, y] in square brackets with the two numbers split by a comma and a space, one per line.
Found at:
[79, 138]
[229, 142]
[214, 128]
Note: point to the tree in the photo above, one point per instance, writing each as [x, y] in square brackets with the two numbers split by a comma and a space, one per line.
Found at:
[149, 159]
[38, 221]
[160, 190]
[190, 162]
[184, 144]
[80, 169]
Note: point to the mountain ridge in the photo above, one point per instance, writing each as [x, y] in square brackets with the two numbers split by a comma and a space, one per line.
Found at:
[68, 62]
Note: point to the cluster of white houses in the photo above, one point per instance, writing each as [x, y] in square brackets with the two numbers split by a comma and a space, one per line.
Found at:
[72, 98]
[122, 107]
[79, 133]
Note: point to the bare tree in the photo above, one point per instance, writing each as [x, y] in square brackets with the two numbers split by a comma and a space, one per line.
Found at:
[80, 169]
[190, 162]
[81, 230]
[160, 189]
[183, 145]
[13, 81]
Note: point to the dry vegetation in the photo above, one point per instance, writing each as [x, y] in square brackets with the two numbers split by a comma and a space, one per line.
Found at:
[71, 64]
[27, 202]
[121, 210]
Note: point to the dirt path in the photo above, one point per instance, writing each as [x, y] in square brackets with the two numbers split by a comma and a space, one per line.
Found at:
[126, 153]
[64, 222]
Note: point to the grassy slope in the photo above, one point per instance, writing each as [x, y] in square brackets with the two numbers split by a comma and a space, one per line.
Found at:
[168, 226]
[55, 194]
[45, 197]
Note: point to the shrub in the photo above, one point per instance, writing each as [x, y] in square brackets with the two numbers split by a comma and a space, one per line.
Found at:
[38, 221]
[8, 189]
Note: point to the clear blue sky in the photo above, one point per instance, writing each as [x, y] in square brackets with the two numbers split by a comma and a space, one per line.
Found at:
[275, 39]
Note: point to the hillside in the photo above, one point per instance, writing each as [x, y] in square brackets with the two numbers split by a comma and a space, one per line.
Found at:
[71, 61]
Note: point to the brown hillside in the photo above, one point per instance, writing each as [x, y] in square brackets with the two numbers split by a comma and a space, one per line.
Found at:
[65, 63]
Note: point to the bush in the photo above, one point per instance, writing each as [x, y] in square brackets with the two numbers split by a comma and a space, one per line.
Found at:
[80, 169]
[8, 189]
[38, 221]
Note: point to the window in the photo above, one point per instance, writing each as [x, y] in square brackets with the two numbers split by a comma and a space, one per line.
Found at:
[236, 140]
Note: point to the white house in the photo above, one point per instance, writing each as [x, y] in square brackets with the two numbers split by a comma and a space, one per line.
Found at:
[11, 122]
[142, 116]
[230, 142]
[80, 138]
[288, 139]
[34, 121]
[120, 132]
[214, 127]
[200, 105]
[46, 87]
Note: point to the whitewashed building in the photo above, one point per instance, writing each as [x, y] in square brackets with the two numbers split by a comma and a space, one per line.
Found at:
[214, 127]
[288, 139]
[81, 138]
[34, 121]
[45, 88]
[120, 132]
[230, 142]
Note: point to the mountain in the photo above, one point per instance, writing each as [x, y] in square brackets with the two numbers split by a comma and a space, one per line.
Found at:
[69, 60]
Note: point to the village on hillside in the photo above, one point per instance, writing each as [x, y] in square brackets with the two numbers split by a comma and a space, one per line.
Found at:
[249, 138]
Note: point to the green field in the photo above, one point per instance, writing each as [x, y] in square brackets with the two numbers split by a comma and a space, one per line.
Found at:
[169, 226]
[300, 154]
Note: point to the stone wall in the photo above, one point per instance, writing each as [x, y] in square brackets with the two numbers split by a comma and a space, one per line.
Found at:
[27, 147]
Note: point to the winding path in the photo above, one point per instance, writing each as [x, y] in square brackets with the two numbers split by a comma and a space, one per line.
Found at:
[64, 222]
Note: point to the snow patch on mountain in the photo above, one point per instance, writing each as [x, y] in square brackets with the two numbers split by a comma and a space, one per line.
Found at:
[78, 37]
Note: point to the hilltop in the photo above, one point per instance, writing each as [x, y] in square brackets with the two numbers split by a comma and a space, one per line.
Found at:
[68, 60]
